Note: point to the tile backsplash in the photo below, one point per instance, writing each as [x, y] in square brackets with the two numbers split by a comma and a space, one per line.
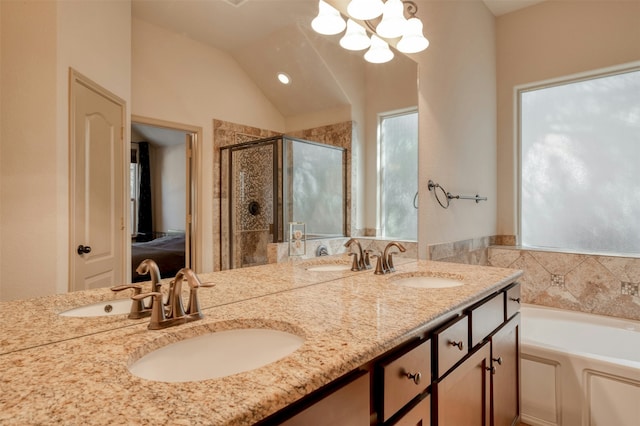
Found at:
[604, 285]
[279, 252]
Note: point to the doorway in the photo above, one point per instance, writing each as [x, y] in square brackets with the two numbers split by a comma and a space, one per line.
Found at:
[162, 195]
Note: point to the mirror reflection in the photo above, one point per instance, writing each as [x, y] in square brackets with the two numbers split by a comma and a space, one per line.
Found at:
[273, 185]
[158, 197]
[331, 91]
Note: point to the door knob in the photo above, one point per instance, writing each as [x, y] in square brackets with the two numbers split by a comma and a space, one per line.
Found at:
[83, 250]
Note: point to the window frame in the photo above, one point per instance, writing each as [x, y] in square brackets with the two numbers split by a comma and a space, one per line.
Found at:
[380, 208]
[517, 138]
[133, 200]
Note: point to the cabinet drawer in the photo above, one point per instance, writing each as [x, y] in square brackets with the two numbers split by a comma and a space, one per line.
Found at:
[404, 378]
[513, 300]
[486, 317]
[451, 344]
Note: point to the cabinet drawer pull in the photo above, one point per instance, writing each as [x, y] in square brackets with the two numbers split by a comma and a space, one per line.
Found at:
[492, 369]
[458, 344]
[415, 377]
[515, 299]
[498, 360]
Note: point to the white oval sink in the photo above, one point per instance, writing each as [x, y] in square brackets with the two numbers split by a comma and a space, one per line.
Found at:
[107, 307]
[428, 282]
[329, 267]
[215, 355]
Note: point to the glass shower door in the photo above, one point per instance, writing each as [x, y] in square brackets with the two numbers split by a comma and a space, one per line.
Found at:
[249, 202]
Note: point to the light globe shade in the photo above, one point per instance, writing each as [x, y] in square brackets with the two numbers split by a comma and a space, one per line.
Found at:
[365, 10]
[355, 38]
[328, 21]
[413, 41]
[379, 52]
[393, 21]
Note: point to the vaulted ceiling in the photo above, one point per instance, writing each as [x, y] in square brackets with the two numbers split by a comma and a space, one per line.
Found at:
[266, 37]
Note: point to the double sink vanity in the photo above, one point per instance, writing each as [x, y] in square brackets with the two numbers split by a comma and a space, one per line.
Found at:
[306, 342]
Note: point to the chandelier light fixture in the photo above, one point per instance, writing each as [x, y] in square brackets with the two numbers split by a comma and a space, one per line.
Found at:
[384, 20]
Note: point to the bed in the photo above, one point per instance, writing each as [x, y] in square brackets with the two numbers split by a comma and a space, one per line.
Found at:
[167, 251]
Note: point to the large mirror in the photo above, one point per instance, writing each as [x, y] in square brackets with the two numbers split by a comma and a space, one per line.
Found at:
[330, 87]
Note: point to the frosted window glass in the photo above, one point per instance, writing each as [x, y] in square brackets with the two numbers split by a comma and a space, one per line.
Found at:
[580, 165]
[399, 176]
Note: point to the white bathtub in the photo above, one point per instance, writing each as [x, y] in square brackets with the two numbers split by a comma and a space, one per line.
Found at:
[579, 369]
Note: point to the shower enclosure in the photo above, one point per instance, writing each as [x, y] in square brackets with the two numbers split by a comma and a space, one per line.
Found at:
[268, 184]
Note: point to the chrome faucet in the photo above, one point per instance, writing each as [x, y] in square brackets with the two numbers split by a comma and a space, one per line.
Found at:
[360, 258]
[174, 313]
[384, 264]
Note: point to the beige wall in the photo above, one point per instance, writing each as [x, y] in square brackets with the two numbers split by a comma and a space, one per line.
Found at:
[457, 107]
[28, 187]
[41, 40]
[169, 188]
[550, 40]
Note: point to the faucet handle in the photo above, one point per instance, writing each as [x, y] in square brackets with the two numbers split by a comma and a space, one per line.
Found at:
[157, 310]
[137, 288]
[138, 309]
[355, 266]
[379, 264]
[367, 262]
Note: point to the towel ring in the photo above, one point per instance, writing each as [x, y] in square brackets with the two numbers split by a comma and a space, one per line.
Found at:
[434, 186]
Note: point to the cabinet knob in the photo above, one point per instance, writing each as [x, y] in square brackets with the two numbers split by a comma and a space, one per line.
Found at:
[498, 360]
[459, 344]
[515, 299]
[492, 369]
[415, 377]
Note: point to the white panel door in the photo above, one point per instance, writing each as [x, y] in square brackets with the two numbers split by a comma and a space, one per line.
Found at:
[97, 187]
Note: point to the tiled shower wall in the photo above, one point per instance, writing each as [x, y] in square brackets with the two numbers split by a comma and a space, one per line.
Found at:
[228, 134]
[254, 183]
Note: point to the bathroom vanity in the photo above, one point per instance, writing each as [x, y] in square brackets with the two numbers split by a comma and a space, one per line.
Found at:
[376, 350]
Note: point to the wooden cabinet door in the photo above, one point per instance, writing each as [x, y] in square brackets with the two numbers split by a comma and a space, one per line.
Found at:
[419, 415]
[348, 405]
[505, 380]
[463, 396]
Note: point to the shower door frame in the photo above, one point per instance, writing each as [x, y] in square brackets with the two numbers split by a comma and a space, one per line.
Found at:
[276, 143]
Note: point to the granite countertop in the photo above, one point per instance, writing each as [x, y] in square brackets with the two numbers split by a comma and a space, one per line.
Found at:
[346, 319]
[232, 286]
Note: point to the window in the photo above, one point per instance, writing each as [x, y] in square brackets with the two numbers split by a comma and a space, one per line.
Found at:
[398, 174]
[134, 189]
[580, 165]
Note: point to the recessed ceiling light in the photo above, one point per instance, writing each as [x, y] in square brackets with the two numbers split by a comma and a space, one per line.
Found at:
[284, 78]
